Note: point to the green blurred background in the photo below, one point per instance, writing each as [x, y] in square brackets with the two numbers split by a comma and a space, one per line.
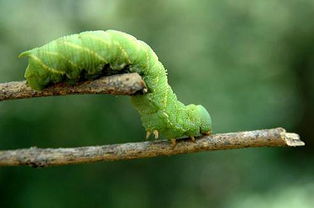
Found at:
[250, 62]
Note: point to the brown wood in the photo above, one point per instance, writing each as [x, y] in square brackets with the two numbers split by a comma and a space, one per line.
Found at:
[122, 84]
[38, 157]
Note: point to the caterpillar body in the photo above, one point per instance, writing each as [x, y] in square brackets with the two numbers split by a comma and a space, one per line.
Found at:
[90, 54]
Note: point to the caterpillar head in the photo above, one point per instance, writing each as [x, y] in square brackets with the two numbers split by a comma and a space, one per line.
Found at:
[205, 120]
[200, 116]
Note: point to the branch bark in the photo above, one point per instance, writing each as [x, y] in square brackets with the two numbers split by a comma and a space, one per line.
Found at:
[126, 84]
[38, 157]
[122, 84]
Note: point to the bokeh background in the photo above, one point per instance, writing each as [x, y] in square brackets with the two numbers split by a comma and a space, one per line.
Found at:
[250, 62]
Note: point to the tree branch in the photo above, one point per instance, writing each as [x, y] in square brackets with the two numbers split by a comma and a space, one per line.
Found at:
[38, 157]
[126, 84]
[122, 84]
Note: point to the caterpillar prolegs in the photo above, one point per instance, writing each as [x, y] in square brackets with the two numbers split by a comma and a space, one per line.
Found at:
[85, 55]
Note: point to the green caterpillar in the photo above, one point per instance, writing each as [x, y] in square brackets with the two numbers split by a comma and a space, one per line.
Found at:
[91, 54]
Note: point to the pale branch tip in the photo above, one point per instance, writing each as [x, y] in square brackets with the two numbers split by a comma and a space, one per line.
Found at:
[40, 157]
[120, 84]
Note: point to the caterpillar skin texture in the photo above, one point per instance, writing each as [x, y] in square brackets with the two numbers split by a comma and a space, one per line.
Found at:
[85, 55]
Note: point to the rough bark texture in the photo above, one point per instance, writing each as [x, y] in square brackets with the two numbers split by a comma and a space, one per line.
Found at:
[37, 157]
[122, 84]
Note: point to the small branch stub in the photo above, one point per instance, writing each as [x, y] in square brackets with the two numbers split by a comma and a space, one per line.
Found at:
[122, 84]
[38, 157]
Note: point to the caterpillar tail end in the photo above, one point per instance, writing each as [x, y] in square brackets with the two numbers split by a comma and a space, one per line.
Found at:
[24, 54]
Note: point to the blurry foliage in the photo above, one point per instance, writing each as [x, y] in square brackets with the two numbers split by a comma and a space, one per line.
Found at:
[249, 62]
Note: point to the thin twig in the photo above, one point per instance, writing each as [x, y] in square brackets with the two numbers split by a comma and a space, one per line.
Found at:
[122, 84]
[38, 157]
